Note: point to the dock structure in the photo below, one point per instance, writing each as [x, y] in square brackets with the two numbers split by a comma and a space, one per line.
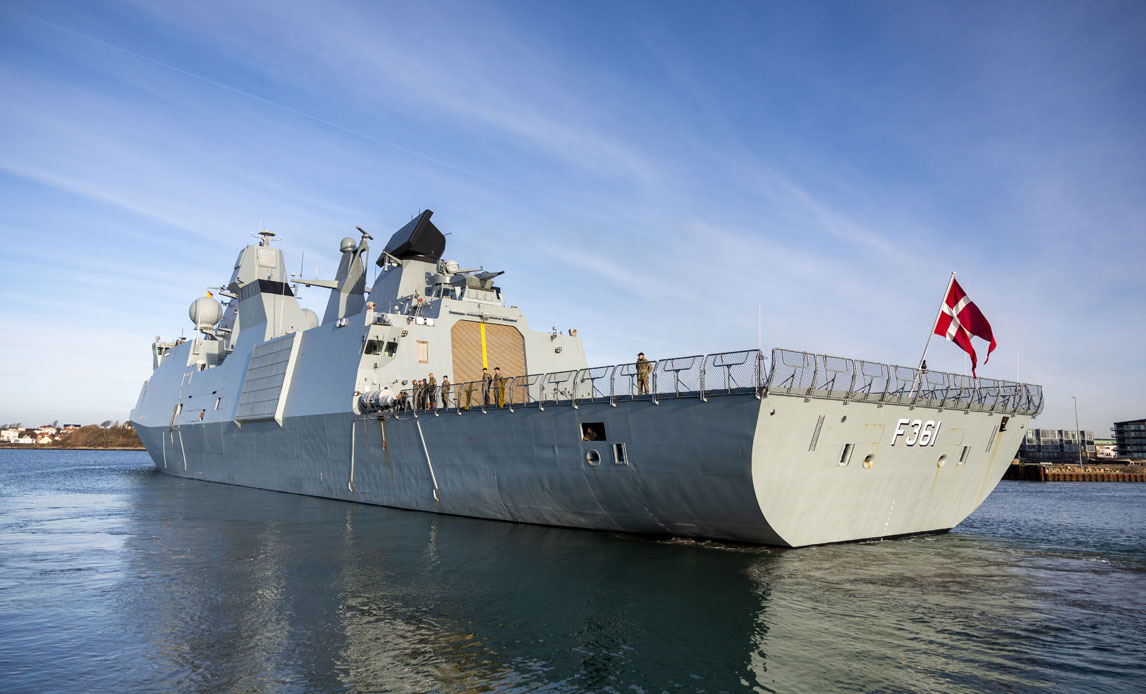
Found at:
[1039, 472]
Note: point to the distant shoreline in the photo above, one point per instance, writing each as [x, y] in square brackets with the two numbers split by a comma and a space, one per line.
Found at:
[34, 447]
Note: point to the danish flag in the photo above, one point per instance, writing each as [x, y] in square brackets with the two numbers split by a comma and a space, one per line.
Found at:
[959, 318]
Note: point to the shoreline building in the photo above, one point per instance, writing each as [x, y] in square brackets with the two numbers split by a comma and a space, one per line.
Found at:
[1130, 438]
[1056, 445]
[1106, 448]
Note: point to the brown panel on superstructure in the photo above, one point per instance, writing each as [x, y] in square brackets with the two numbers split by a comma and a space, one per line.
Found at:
[465, 339]
[505, 347]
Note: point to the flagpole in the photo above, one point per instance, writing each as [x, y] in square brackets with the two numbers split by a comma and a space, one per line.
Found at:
[931, 334]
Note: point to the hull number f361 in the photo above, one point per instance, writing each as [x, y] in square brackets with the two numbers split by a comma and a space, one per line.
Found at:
[917, 432]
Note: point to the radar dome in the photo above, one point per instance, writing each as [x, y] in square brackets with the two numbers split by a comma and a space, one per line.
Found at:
[205, 312]
[309, 318]
[347, 245]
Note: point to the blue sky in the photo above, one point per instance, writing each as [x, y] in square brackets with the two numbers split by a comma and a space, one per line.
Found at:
[649, 173]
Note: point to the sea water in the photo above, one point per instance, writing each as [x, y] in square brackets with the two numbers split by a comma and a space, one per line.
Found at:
[114, 577]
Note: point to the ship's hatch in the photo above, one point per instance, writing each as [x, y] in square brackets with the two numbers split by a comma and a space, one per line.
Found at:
[496, 345]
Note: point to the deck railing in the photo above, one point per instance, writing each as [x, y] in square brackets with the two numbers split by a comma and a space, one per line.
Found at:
[787, 372]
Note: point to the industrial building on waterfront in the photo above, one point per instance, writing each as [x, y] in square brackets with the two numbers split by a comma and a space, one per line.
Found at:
[1130, 438]
[1056, 445]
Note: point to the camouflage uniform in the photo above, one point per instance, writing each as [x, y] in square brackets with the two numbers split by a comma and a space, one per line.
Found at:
[644, 367]
[486, 382]
[499, 387]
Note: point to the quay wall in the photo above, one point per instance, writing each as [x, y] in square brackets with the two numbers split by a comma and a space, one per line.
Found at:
[1038, 472]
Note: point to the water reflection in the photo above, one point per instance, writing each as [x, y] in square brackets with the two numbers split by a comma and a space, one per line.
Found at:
[194, 586]
[286, 588]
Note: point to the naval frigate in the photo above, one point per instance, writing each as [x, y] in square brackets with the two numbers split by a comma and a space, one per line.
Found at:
[784, 448]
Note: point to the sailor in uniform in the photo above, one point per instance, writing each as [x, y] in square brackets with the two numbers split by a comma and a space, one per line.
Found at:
[499, 386]
[644, 366]
[486, 381]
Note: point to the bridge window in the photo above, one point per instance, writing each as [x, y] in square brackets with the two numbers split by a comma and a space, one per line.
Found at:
[376, 347]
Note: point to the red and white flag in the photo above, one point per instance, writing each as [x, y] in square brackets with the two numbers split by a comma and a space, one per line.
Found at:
[959, 319]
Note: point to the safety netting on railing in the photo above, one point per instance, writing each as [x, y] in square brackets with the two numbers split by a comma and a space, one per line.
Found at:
[593, 383]
[792, 372]
[933, 388]
[678, 376]
[901, 384]
[871, 379]
[986, 394]
[833, 376]
[730, 372]
[525, 390]
[557, 387]
[787, 372]
[962, 391]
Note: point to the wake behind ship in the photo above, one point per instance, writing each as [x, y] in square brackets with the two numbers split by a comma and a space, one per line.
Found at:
[787, 448]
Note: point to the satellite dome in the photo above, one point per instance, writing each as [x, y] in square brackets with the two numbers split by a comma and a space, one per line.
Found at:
[347, 245]
[205, 312]
[452, 267]
[310, 318]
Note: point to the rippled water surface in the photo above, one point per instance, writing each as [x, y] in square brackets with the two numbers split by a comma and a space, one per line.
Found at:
[114, 577]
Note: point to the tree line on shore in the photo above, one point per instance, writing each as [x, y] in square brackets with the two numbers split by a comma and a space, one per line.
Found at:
[102, 436]
[108, 434]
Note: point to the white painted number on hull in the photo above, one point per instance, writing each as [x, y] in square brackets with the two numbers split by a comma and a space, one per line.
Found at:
[918, 432]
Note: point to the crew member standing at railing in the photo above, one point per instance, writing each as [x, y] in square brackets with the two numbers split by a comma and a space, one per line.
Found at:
[446, 392]
[499, 386]
[486, 382]
[644, 366]
[431, 392]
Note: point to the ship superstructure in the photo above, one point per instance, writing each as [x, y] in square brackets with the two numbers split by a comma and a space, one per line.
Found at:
[787, 448]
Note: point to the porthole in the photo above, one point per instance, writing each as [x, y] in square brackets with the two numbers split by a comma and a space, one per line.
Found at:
[942, 460]
[592, 457]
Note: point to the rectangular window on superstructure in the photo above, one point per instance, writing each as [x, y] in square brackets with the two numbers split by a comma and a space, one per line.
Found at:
[423, 352]
[593, 431]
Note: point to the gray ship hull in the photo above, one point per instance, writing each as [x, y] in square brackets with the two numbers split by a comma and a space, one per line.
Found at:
[728, 468]
[789, 449]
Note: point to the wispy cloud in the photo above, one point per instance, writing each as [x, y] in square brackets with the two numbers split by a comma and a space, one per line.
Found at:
[651, 177]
